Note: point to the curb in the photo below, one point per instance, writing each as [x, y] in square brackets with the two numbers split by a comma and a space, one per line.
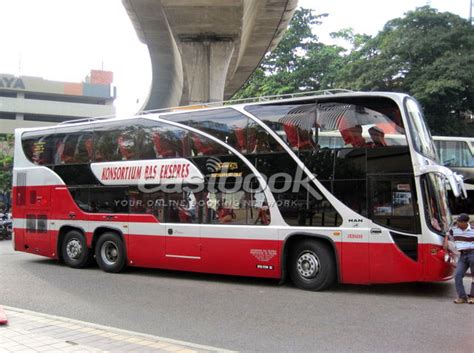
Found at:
[118, 331]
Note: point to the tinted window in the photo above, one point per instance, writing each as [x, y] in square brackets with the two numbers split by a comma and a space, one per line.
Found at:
[393, 203]
[101, 199]
[350, 164]
[237, 207]
[81, 197]
[106, 148]
[40, 147]
[147, 202]
[76, 174]
[74, 148]
[108, 199]
[182, 207]
[300, 203]
[228, 125]
[320, 163]
[459, 205]
[231, 194]
[389, 160]
[362, 122]
[353, 193]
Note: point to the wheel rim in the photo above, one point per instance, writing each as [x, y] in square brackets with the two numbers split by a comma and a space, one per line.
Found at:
[74, 249]
[308, 265]
[109, 252]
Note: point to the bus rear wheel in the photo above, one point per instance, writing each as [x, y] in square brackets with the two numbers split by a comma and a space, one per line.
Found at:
[312, 265]
[110, 253]
[74, 250]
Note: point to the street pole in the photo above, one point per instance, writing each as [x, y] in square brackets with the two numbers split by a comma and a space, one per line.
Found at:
[470, 13]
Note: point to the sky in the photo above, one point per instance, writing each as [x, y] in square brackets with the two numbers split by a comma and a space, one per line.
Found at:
[64, 39]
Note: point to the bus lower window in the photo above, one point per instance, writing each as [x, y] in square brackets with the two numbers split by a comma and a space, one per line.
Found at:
[303, 205]
[108, 200]
[393, 204]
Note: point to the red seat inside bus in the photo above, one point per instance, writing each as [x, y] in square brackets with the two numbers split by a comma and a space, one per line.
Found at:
[298, 138]
[163, 146]
[125, 147]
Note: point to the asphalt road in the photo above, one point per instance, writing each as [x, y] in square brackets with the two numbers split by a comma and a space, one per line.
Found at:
[243, 314]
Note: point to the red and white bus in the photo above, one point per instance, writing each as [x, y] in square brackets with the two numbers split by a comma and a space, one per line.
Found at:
[244, 189]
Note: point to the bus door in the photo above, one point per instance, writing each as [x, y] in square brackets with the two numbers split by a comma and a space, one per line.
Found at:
[355, 253]
[37, 213]
[183, 241]
[183, 238]
[394, 236]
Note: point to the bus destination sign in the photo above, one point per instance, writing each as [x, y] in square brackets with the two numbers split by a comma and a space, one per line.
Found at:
[166, 171]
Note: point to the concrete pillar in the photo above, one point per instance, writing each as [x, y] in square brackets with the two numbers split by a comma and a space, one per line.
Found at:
[206, 63]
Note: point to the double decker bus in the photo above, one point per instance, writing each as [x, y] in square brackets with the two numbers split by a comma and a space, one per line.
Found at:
[457, 153]
[246, 189]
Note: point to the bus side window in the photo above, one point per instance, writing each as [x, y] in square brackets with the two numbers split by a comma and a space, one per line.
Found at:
[40, 149]
[241, 138]
[147, 203]
[106, 148]
[182, 207]
[66, 149]
[205, 147]
[298, 138]
[108, 199]
[84, 148]
[126, 147]
[164, 148]
[393, 204]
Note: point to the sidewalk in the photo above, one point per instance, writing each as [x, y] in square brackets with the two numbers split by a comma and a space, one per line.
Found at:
[28, 331]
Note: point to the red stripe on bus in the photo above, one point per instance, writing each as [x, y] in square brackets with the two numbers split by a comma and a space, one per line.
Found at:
[261, 258]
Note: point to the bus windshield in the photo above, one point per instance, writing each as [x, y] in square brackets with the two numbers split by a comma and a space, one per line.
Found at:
[420, 134]
[438, 215]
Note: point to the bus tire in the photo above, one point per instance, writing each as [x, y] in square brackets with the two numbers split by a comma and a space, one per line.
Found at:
[74, 250]
[312, 265]
[110, 253]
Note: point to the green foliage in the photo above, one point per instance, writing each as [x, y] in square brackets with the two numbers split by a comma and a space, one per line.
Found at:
[299, 63]
[6, 163]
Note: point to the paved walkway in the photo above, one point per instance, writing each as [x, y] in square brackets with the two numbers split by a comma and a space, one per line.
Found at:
[28, 331]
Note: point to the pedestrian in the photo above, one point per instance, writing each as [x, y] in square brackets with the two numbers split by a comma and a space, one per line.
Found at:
[463, 236]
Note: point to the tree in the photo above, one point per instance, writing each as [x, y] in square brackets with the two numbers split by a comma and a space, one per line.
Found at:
[427, 54]
[299, 63]
[6, 165]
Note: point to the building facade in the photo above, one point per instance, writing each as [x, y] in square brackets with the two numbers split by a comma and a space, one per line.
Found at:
[27, 101]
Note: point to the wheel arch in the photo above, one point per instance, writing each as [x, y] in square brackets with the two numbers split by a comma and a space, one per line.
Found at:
[99, 231]
[296, 237]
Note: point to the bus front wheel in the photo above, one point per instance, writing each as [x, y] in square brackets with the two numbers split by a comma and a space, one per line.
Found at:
[110, 253]
[312, 265]
[74, 250]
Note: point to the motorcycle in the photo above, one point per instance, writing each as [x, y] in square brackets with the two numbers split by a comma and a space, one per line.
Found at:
[6, 227]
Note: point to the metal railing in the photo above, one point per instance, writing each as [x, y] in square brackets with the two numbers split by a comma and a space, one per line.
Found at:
[260, 99]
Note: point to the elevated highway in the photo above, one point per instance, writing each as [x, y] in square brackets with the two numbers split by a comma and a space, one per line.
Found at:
[205, 50]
